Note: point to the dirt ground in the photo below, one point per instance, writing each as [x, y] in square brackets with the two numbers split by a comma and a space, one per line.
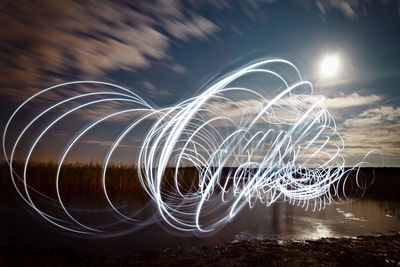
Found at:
[361, 251]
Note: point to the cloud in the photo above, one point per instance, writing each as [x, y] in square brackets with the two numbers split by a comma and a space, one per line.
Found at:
[251, 106]
[374, 128]
[149, 86]
[286, 109]
[98, 111]
[105, 143]
[352, 100]
[375, 117]
[347, 7]
[151, 90]
[384, 138]
[178, 68]
[197, 27]
[52, 41]
[351, 9]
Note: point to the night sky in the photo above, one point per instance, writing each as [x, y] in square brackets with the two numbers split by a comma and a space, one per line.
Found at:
[166, 50]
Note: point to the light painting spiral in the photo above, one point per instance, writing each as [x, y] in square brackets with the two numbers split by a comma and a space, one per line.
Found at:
[245, 146]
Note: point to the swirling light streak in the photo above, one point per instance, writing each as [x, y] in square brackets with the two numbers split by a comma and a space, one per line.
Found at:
[259, 155]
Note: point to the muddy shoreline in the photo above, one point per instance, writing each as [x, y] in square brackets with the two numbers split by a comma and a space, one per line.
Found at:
[381, 250]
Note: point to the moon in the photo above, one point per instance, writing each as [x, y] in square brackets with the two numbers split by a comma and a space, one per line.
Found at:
[329, 66]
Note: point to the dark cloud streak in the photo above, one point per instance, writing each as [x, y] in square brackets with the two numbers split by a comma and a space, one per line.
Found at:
[86, 39]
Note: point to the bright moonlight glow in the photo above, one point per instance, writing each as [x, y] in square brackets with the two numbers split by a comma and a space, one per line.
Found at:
[329, 66]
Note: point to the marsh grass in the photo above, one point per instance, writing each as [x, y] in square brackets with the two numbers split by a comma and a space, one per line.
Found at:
[78, 177]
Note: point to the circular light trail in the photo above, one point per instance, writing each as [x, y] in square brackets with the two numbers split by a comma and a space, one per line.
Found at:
[282, 148]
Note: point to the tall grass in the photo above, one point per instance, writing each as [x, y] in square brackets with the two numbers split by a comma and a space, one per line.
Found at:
[88, 176]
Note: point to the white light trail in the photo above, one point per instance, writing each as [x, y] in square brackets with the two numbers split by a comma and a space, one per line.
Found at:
[284, 148]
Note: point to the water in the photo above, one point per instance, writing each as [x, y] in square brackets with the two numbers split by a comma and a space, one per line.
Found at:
[19, 226]
[353, 218]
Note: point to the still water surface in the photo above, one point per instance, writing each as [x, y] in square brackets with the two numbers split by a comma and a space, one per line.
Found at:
[18, 226]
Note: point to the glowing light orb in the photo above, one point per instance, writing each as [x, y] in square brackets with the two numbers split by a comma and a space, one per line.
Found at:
[329, 66]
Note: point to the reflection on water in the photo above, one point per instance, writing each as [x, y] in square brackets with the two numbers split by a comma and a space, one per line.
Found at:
[353, 218]
[18, 226]
[280, 221]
